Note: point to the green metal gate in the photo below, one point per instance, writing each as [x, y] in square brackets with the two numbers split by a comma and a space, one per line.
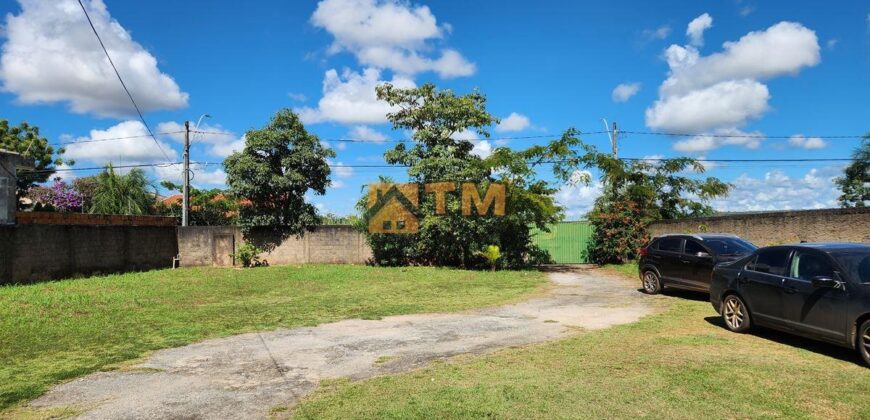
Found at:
[567, 242]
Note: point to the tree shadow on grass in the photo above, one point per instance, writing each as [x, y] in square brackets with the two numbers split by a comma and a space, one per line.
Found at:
[784, 338]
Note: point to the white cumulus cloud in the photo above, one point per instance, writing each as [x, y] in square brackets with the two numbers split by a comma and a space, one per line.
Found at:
[513, 122]
[778, 191]
[390, 34]
[798, 140]
[350, 98]
[52, 56]
[696, 28]
[723, 91]
[363, 132]
[723, 137]
[726, 104]
[578, 197]
[133, 146]
[624, 91]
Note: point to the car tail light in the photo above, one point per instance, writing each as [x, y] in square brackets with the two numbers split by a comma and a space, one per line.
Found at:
[644, 252]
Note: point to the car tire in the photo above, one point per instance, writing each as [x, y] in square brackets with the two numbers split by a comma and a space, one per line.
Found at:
[863, 341]
[651, 282]
[736, 314]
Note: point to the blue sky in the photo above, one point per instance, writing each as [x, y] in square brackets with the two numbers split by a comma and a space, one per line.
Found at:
[701, 67]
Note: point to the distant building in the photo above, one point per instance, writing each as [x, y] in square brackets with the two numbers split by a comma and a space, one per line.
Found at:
[9, 161]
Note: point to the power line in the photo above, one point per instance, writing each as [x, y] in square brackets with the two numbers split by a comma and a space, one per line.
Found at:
[737, 136]
[407, 166]
[353, 140]
[124, 85]
[61, 143]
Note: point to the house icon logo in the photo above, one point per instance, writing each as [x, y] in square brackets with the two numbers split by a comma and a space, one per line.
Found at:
[393, 208]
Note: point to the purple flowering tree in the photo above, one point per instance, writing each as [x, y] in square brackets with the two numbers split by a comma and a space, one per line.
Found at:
[60, 195]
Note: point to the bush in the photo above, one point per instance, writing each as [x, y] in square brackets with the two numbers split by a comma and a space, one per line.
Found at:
[249, 255]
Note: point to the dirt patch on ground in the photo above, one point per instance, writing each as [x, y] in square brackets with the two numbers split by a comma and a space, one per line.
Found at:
[247, 375]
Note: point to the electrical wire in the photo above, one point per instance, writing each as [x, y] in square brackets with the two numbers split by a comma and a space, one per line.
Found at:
[120, 79]
[736, 136]
[143, 165]
[61, 143]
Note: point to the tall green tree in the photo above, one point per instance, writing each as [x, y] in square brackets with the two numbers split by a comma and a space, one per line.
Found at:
[855, 182]
[25, 140]
[436, 118]
[130, 194]
[638, 192]
[280, 163]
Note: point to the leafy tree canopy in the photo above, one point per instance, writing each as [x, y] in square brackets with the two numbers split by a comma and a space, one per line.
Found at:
[639, 192]
[855, 182]
[130, 194]
[436, 118]
[280, 163]
[25, 140]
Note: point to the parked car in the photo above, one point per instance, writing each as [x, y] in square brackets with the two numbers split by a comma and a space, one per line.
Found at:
[821, 291]
[686, 261]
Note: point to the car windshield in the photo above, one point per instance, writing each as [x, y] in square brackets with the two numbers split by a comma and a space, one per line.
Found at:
[856, 264]
[730, 246]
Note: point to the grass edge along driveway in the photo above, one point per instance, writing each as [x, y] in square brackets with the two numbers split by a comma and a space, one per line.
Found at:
[59, 330]
[680, 363]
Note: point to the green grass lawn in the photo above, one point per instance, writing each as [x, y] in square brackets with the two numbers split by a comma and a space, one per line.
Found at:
[680, 363]
[59, 330]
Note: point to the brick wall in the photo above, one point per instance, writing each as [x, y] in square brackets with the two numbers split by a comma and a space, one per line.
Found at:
[779, 227]
[326, 244]
[34, 252]
[83, 219]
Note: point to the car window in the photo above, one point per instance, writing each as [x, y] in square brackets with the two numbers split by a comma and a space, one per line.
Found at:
[693, 247]
[730, 246]
[806, 265]
[856, 264]
[771, 261]
[670, 244]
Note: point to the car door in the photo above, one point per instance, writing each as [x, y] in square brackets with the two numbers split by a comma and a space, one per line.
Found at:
[696, 265]
[816, 311]
[761, 284]
[668, 258]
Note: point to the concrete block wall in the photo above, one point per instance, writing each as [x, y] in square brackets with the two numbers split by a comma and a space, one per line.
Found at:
[47, 252]
[336, 244]
[196, 243]
[779, 227]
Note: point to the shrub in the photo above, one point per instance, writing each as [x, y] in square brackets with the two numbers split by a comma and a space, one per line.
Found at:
[491, 254]
[249, 255]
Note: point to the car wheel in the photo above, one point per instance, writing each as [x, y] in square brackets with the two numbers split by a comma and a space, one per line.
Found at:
[736, 314]
[864, 341]
[651, 283]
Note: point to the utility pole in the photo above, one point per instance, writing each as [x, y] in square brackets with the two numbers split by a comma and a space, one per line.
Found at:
[613, 135]
[185, 201]
[614, 140]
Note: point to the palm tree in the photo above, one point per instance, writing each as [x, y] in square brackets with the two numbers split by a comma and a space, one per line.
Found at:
[122, 194]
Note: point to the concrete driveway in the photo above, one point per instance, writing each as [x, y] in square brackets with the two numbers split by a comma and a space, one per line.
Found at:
[245, 376]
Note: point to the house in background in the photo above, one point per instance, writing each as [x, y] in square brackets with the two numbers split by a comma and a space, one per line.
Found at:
[9, 162]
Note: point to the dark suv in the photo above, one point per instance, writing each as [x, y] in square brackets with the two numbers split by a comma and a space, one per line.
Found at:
[686, 261]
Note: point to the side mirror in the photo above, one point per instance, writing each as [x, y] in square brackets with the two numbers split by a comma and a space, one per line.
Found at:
[825, 281]
[702, 254]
